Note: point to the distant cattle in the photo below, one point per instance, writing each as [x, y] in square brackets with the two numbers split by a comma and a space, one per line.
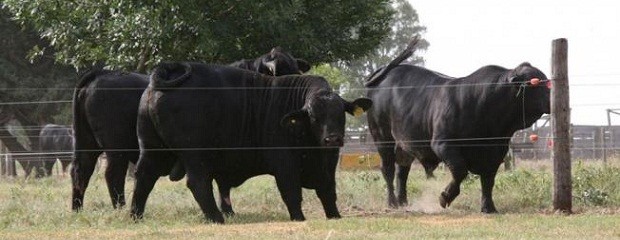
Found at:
[230, 125]
[464, 122]
[55, 143]
[105, 112]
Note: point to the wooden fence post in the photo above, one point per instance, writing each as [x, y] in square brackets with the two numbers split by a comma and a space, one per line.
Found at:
[560, 112]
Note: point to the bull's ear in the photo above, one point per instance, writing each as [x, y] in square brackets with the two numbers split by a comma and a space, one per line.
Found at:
[517, 75]
[270, 67]
[294, 120]
[358, 106]
[303, 65]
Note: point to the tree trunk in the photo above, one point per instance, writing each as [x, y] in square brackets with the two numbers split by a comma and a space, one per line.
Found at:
[144, 57]
[28, 162]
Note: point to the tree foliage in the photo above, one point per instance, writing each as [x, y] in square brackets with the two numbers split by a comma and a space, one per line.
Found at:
[22, 81]
[132, 34]
[333, 75]
[24, 84]
[404, 25]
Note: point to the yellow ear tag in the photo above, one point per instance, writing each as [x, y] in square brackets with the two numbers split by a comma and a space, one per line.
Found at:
[358, 111]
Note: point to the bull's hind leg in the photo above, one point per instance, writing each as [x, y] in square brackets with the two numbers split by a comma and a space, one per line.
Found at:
[115, 175]
[402, 174]
[83, 167]
[225, 202]
[388, 167]
[146, 176]
[201, 186]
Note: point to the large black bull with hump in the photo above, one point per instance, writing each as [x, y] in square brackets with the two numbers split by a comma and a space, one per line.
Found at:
[465, 122]
[105, 112]
[55, 142]
[230, 125]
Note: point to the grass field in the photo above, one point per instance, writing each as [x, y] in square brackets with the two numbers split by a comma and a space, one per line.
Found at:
[40, 209]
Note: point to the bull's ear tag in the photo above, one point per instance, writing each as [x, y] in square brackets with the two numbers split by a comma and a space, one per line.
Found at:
[358, 111]
[293, 121]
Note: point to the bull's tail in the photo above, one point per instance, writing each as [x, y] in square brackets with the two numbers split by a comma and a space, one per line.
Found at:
[80, 123]
[378, 76]
[170, 75]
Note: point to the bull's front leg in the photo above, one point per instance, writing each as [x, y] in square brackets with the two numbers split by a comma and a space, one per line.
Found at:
[487, 181]
[328, 200]
[456, 164]
[289, 184]
[326, 191]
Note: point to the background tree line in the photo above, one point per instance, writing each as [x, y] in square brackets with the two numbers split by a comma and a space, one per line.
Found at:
[45, 44]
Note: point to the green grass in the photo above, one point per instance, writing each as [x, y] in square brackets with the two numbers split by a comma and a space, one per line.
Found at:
[40, 208]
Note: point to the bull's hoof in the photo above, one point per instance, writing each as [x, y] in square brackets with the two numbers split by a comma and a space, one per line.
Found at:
[334, 216]
[77, 205]
[298, 218]
[228, 213]
[443, 201]
[489, 210]
[217, 218]
[136, 217]
[402, 202]
[76, 208]
[118, 205]
[393, 203]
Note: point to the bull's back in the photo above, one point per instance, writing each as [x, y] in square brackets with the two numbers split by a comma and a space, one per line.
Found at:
[406, 97]
[110, 105]
[214, 108]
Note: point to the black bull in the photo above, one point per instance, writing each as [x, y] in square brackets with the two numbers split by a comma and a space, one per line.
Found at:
[465, 122]
[230, 125]
[105, 112]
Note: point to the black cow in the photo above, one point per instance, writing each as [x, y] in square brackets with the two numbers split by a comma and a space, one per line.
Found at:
[275, 63]
[55, 142]
[105, 109]
[230, 125]
[105, 112]
[465, 122]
